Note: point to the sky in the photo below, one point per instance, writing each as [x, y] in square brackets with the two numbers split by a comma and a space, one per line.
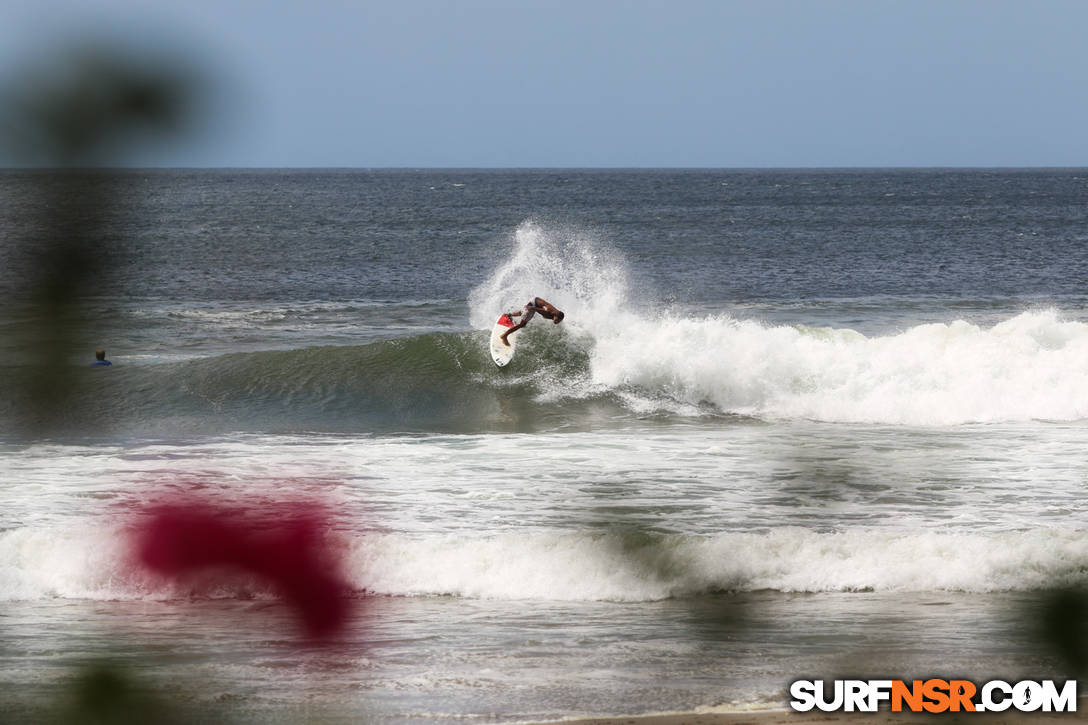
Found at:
[602, 83]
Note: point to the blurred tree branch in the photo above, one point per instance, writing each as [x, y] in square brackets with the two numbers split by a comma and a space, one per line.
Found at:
[85, 108]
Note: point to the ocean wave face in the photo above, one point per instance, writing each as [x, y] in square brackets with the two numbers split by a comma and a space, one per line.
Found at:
[655, 358]
[792, 423]
[1029, 367]
[618, 354]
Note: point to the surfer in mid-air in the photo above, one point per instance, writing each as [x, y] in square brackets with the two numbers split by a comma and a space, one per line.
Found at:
[537, 305]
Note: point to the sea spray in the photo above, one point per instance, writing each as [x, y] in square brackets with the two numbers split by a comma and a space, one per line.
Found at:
[654, 358]
[617, 356]
[570, 268]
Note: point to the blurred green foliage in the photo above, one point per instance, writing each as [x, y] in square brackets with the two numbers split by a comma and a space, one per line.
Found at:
[1064, 626]
[104, 694]
[91, 105]
[82, 108]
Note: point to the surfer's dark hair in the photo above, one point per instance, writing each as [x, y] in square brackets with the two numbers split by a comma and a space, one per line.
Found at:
[558, 316]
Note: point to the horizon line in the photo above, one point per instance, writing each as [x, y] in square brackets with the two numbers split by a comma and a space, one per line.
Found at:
[187, 167]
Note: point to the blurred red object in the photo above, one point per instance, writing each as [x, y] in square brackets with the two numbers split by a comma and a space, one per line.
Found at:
[282, 544]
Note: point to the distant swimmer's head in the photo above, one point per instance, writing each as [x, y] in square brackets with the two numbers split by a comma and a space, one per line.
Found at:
[99, 354]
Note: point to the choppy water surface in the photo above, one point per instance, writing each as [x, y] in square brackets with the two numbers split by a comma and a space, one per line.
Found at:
[794, 423]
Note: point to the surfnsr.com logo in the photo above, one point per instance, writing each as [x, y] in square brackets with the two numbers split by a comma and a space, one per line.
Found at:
[933, 695]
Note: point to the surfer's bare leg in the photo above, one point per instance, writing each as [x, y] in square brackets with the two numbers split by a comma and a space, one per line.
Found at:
[512, 329]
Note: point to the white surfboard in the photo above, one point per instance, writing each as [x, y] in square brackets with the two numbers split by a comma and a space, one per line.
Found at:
[500, 353]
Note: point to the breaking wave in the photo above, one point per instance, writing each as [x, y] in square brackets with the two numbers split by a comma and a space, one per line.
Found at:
[616, 352]
[1033, 366]
[623, 567]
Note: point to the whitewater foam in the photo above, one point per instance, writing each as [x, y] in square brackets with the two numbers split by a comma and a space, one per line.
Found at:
[614, 567]
[1033, 366]
[553, 566]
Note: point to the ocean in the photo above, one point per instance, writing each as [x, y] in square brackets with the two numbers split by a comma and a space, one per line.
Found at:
[795, 424]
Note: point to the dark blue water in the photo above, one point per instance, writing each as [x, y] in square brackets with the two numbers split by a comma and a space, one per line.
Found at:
[792, 420]
[330, 268]
[697, 236]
